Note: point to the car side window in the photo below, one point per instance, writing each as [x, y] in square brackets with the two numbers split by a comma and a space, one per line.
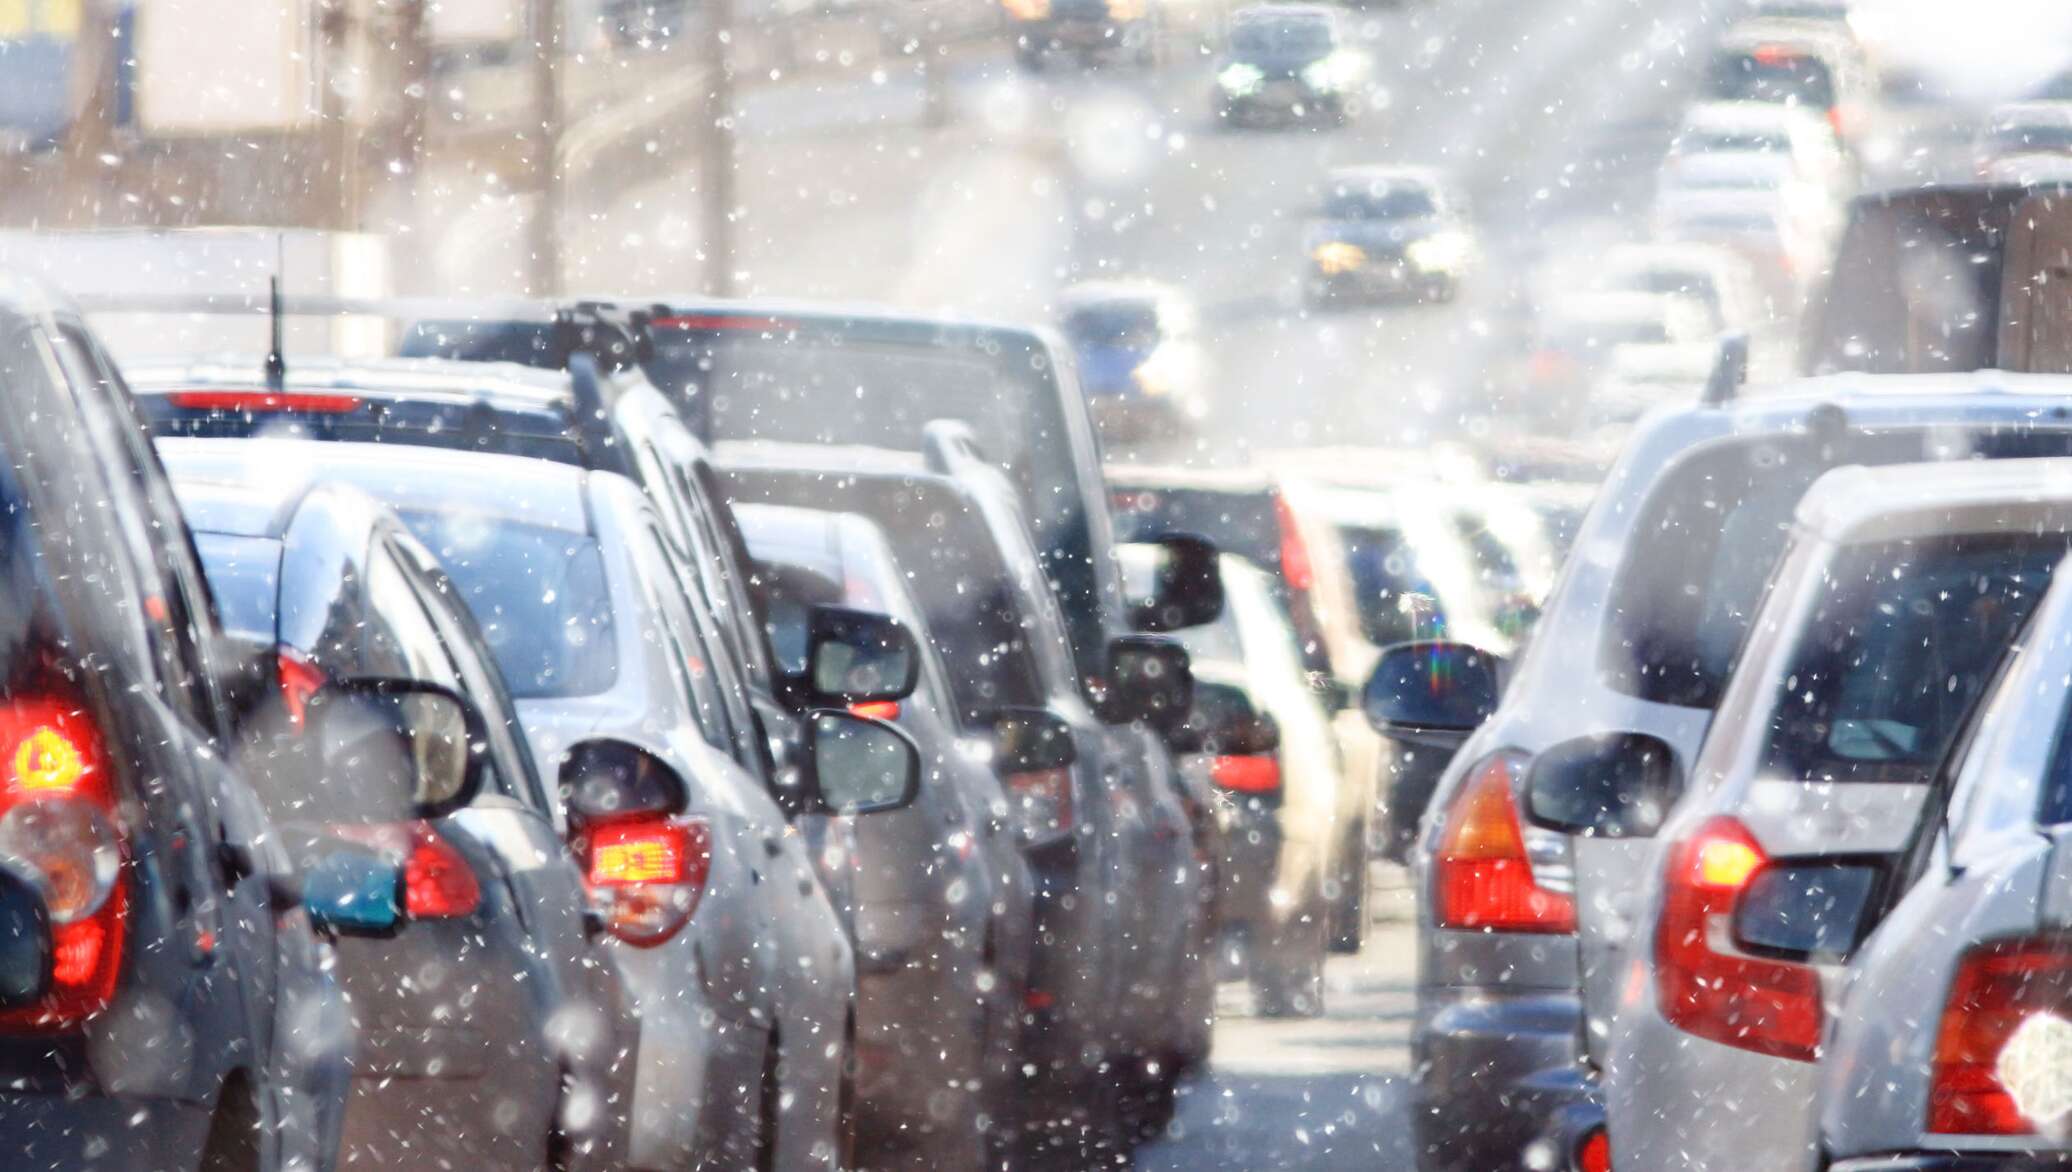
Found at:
[669, 623]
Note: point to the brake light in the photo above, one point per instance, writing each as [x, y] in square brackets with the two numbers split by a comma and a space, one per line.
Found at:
[299, 680]
[1296, 568]
[717, 321]
[1595, 1153]
[58, 819]
[438, 883]
[1257, 774]
[646, 874]
[1484, 876]
[1774, 55]
[1997, 1052]
[257, 402]
[1837, 121]
[1706, 987]
[1042, 801]
[876, 709]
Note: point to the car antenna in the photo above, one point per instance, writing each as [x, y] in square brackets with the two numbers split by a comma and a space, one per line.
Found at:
[276, 355]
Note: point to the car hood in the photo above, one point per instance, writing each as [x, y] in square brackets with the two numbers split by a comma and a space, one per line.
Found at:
[1374, 233]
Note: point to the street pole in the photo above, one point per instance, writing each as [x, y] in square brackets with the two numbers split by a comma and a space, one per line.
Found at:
[546, 220]
[717, 150]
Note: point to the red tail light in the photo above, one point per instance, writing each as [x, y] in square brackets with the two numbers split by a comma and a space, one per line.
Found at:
[1595, 1154]
[1296, 568]
[58, 819]
[299, 679]
[718, 321]
[1484, 878]
[1259, 774]
[1706, 988]
[876, 709]
[438, 884]
[257, 402]
[647, 874]
[1993, 1041]
[1042, 801]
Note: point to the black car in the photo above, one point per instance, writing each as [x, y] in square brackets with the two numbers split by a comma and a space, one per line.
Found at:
[164, 994]
[1288, 63]
[1385, 233]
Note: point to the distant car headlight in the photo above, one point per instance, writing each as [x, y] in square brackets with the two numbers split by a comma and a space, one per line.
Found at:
[1027, 9]
[1322, 76]
[1239, 78]
[1125, 10]
[1334, 257]
[1441, 253]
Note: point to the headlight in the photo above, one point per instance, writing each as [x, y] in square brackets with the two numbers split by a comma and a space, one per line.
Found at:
[1321, 75]
[1125, 10]
[1240, 78]
[1028, 9]
[1151, 380]
[1336, 256]
[1441, 253]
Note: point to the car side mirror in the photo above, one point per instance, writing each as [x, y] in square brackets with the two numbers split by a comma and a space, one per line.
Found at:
[1186, 588]
[353, 893]
[862, 766]
[1224, 722]
[26, 947]
[1619, 785]
[1805, 911]
[857, 657]
[1431, 687]
[409, 745]
[1150, 678]
[1031, 740]
[606, 779]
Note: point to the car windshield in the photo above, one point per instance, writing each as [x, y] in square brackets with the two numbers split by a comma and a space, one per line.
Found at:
[1125, 325]
[1380, 201]
[1904, 638]
[1281, 39]
[539, 594]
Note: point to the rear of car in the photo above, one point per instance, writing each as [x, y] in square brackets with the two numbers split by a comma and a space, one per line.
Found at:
[155, 1032]
[1792, 63]
[448, 1065]
[1899, 594]
[1279, 814]
[1960, 996]
[1638, 636]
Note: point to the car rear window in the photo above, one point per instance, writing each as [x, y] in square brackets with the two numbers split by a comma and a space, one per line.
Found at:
[244, 575]
[1710, 534]
[539, 596]
[1772, 74]
[1904, 642]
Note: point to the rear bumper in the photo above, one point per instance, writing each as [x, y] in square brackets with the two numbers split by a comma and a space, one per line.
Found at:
[1494, 1071]
[1976, 1162]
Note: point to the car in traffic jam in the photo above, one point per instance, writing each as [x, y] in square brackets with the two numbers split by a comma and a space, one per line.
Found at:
[604, 585]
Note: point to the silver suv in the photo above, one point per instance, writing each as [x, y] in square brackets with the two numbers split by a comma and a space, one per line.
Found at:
[1522, 925]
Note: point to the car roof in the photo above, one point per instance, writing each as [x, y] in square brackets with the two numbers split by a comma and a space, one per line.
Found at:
[530, 491]
[22, 295]
[1171, 476]
[1254, 12]
[1666, 256]
[1135, 290]
[1385, 173]
[1899, 501]
[1800, 36]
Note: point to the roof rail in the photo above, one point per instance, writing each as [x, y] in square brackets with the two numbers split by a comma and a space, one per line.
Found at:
[1729, 371]
[593, 402]
[946, 443]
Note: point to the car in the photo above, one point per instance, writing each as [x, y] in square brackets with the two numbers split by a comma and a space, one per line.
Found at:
[622, 686]
[1963, 977]
[1788, 131]
[1573, 338]
[1088, 29]
[1278, 523]
[791, 372]
[2021, 129]
[1119, 988]
[1897, 593]
[1812, 209]
[1820, 68]
[1387, 232]
[168, 1003]
[326, 584]
[1265, 743]
[939, 899]
[1141, 363]
[1288, 63]
[1518, 982]
[1641, 377]
[1722, 280]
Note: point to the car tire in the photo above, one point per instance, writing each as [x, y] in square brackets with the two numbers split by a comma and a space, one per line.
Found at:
[1349, 910]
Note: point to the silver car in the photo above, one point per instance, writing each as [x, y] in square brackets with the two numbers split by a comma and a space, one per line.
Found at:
[1637, 637]
[938, 897]
[1960, 997]
[1898, 594]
